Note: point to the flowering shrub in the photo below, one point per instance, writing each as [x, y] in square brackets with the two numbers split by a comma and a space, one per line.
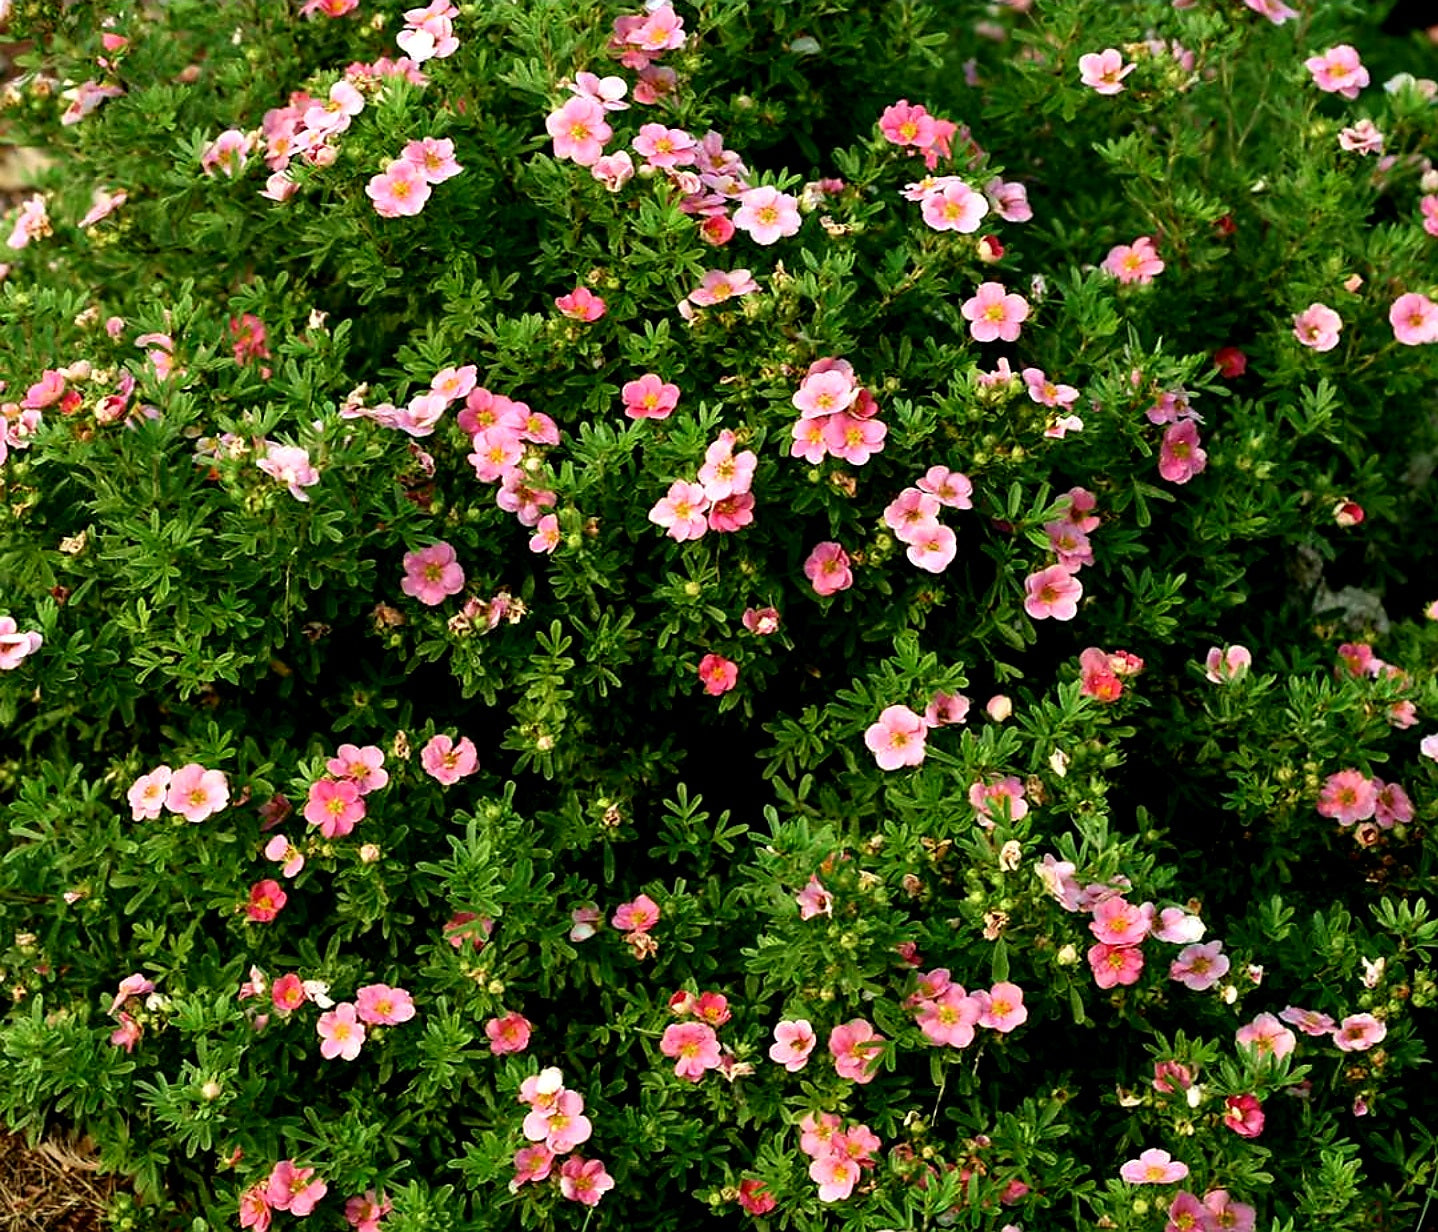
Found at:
[810, 610]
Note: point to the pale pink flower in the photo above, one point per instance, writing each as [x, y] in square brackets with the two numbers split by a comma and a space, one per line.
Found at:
[127, 1034]
[1225, 1215]
[1359, 1032]
[452, 384]
[229, 152]
[1414, 319]
[364, 1211]
[809, 440]
[285, 853]
[650, 397]
[1118, 922]
[447, 762]
[1052, 592]
[147, 793]
[662, 30]
[825, 393]
[1153, 1167]
[1003, 1008]
[364, 767]
[1181, 457]
[560, 1123]
[897, 739]
[432, 574]
[1317, 326]
[1391, 805]
[87, 96]
[950, 1017]
[724, 472]
[400, 191]
[794, 1040]
[1227, 664]
[291, 466]
[1310, 1022]
[1275, 10]
[32, 223]
[1348, 796]
[103, 204]
[614, 171]
[767, 215]
[827, 568]
[434, 158]
[341, 1033]
[1200, 967]
[1115, 964]
[579, 131]
[951, 488]
[1009, 199]
[1428, 208]
[1104, 71]
[994, 313]
[665, 147]
[955, 207]
[1178, 927]
[911, 514]
[584, 1180]
[761, 621]
[852, 439]
[135, 985]
[681, 511]
[581, 304]
[254, 1206]
[836, 1176]
[196, 793]
[1137, 262]
[946, 708]
[608, 92]
[637, 916]
[497, 452]
[546, 536]
[694, 1047]
[1361, 138]
[1338, 71]
[814, 900]
[732, 513]
[718, 286]
[291, 1189]
[1267, 1037]
[1045, 392]
[380, 1005]
[855, 1045]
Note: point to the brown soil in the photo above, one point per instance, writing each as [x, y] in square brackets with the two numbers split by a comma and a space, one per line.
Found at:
[50, 1187]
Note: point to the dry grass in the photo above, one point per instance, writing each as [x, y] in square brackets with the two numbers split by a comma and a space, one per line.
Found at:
[50, 1187]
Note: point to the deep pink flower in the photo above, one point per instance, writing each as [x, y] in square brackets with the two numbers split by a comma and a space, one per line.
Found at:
[1244, 1115]
[1118, 922]
[584, 1180]
[950, 1017]
[1338, 71]
[532, 1163]
[1104, 71]
[432, 574]
[694, 1047]
[1052, 592]
[1181, 457]
[1414, 319]
[638, 916]
[196, 793]
[854, 1045]
[254, 1207]
[994, 313]
[1115, 964]
[508, 1034]
[448, 762]
[335, 806]
[364, 767]
[718, 674]
[267, 900]
[287, 993]
[581, 304]
[1170, 1076]
[897, 739]
[907, 124]
[755, 1198]
[827, 568]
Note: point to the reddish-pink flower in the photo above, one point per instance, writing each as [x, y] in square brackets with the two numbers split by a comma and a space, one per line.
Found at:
[694, 1047]
[267, 899]
[1181, 457]
[584, 1180]
[638, 916]
[1244, 1115]
[508, 1034]
[755, 1198]
[1115, 964]
[581, 304]
[718, 674]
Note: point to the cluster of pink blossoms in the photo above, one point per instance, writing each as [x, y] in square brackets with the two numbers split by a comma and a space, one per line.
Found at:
[288, 1188]
[1267, 1037]
[1054, 592]
[913, 516]
[838, 1156]
[1102, 673]
[403, 187]
[428, 33]
[1214, 1212]
[1349, 796]
[910, 125]
[1180, 455]
[15, 646]
[947, 1015]
[837, 415]
[554, 1126]
[342, 1029]
[336, 802]
[899, 737]
[720, 501]
[192, 792]
[500, 429]
[1058, 398]
[692, 1043]
[1359, 660]
[129, 1031]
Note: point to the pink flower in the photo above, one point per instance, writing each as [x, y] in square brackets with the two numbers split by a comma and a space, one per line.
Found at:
[681, 511]
[381, 1005]
[459, 935]
[364, 767]
[1199, 967]
[1275, 10]
[907, 124]
[1003, 1008]
[127, 1034]
[1359, 1032]
[508, 1034]
[614, 171]
[283, 852]
[1009, 199]
[1317, 326]
[814, 900]
[1414, 319]
[664, 147]
[1153, 1167]
[694, 1047]
[1338, 71]
[1391, 805]
[435, 161]
[725, 473]
[364, 1212]
[955, 207]
[827, 568]
[993, 313]
[579, 131]
[1181, 457]
[1226, 1215]
[287, 993]
[1267, 1037]
[949, 488]
[497, 452]
[1115, 964]
[581, 304]
[1244, 1115]
[718, 674]
[335, 806]
[718, 286]
[1223, 666]
[767, 214]
[147, 793]
[432, 574]
[826, 393]
[546, 536]
[1361, 138]
[400, 191]
[855, 1048]
[1052, 592]
[447, 762]
[196, 793]
[1169, 1076]
[732, 513]
[1104, 71]
[950, 1017]
[584, 1180]
[1138, 262]
[897, 739]
[761, 622]
[135, 985]
[267, 900]
[291, 466]
[341, 1033]
[254, 1208]
[1118, 922]
[836, 1176]
[32, 223]
[1428, 208]
[755, 1198]
[1045, 392]
[638, 916]
[933, 548]
[291, 1189]
[794, 1040]
[650, 397]
[229, 152]
[531, 1163]
[852, 439]
[1003, 798]
[946, 708]
[608, 92]
[1348, 796]
[1310, 1022]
